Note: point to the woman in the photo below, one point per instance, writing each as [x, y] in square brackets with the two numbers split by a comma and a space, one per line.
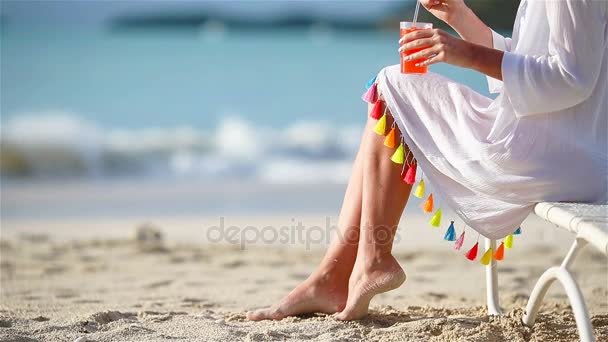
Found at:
[542, 139]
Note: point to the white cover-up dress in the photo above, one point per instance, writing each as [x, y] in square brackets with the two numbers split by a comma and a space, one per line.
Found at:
[544, 138]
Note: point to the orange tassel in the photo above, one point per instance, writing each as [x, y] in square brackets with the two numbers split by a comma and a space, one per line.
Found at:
[391, 139]
[500, 252]
[427, 206]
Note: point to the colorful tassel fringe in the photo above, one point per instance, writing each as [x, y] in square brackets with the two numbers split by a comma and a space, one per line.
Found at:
[376, 112]
[436, 219]
[391, 139]
[399, 156]
[427, 206]
[472, 253]
[371, 82]
[500, 252]
[459, 242]
[486, 257]
[509, 241]
[450, 234]
[380, 127]
[420, 189]
[371, 95]
[410, 174]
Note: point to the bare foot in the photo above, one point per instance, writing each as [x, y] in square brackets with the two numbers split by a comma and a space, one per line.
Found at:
[316, 294]
[368, 281]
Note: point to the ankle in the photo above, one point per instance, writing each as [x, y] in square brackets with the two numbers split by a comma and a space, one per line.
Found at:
[330, 277]
[378, 260]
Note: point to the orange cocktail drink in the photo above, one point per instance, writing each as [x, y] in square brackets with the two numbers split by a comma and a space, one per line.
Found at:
[409, 67]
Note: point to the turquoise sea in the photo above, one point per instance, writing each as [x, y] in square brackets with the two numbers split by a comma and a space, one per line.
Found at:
[100, 122]
[170, 78]
[210, 102]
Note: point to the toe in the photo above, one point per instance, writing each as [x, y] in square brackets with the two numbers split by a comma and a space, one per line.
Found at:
[262, 314]
[341, 316]
[351, 313]
[252, 315]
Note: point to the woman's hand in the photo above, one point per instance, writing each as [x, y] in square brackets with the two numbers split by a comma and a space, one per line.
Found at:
[461, 18]
[449, 11]
[438, 46]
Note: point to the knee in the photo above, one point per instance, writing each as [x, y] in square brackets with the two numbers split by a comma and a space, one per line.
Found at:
[391, 76]
[387, 74]
[389, 70]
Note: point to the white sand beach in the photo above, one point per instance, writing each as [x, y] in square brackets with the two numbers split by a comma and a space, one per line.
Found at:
[167, 166]
[91, 280]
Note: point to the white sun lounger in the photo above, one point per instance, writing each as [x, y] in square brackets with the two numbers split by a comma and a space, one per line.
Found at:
[589, 224]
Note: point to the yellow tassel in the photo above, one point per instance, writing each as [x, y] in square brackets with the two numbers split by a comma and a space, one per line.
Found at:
[399, 155]
[487, 256]
[381, 126]
[420, 189]
[436, 219]
[509, 241]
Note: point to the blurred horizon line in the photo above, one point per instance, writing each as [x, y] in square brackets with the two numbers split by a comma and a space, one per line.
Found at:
[258, 15]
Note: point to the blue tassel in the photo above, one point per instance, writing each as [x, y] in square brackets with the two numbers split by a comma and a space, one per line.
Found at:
[518, 231]
[369, 84]
[450, 234]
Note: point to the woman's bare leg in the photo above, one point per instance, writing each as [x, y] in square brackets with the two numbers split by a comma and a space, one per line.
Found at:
[326, 289]
[384, 198]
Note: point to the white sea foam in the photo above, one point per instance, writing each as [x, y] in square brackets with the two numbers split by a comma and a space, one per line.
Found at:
[59, 143]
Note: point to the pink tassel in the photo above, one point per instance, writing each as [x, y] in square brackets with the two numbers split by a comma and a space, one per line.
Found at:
[459, 242]
[371, 95]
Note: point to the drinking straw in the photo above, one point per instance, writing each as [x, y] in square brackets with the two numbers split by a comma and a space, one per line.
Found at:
[416, 11]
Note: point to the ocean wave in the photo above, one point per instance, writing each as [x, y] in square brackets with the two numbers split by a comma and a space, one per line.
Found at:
[61, 144]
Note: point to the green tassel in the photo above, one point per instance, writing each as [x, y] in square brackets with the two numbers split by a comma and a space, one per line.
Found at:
[436, 219]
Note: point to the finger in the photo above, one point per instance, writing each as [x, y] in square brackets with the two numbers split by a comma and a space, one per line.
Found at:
[426, 53]
[430, 3]
[417, 34]
[434, 59]
[416, 44]
[425, 33]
